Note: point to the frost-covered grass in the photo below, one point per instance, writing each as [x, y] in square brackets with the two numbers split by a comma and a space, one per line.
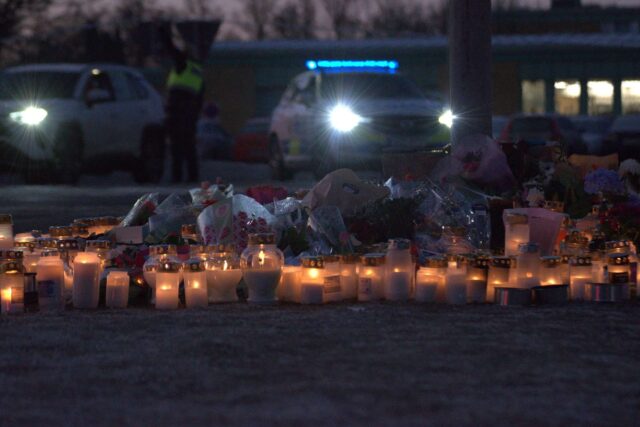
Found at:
[374, 364]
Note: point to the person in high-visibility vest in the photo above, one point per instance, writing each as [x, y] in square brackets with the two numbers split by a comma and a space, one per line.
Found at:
[185, 89]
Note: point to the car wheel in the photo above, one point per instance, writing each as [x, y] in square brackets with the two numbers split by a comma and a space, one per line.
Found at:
[276, 161]
[150, 165]
[67, 154]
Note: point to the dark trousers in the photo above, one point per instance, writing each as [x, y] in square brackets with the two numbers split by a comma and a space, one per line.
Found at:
[182, 137]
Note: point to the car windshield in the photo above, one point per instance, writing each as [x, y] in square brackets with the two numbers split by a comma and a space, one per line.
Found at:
[368, 86]
[37, 85]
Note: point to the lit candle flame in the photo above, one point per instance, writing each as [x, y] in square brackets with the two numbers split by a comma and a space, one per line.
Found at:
[261, 258]
[396, 270]
[225, 266]
[314, 273]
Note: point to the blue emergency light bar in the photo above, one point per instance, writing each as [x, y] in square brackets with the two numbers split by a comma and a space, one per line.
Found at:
[353, 65]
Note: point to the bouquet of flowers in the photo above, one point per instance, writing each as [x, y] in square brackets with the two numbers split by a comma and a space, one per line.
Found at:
[604, 181]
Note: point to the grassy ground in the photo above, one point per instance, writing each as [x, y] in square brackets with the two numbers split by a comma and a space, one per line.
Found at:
[375, 364]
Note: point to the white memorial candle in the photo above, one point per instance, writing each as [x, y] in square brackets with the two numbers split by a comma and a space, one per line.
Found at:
[6, 231]
[455, 284]
[5, 300]
[476, 290]
[195, 284]
[332, 279]
[312, 280]
[349, 276]
[398, 286]
[50, 281]
[86, 280]
[117, 289]
[261, 268]
[222, 281]
[168, 285]
[370, 277]
[580, 274]
[289, 287]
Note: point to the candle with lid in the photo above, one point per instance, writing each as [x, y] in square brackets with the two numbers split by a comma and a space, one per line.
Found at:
[499, 274]
[477, 269]
[400, 270]
[104, 224]
[430, 280]
[6, 231]
[563, 269]
[516, 232]
[50, 281]
[199, 251]
[12, 285]
[371, 277]
[332, 278]
[261, 264]
[312, 277]
[223, 273]
[117, 291]
[30, 255]
[550, 271]
[580, 272]
[455, 281]
[86, 280]
[102, 248]
[619, 271]
[30, 293]
[528, 268]
[79, 230]
[61, 232]
[576, 243]
[349, 276]
[168, 284]
[157, 254]
[195, 283]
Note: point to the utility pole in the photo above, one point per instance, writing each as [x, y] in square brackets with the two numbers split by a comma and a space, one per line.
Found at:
[470, 67]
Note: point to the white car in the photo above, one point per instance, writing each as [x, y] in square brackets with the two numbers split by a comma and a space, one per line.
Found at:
[57, 120]
[348, 113]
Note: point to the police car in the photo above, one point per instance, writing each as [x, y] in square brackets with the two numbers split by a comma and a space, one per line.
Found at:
[57, 119]
[347, 113]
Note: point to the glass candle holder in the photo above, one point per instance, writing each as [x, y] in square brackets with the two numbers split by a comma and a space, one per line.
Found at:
[261, 264]
[69, 248]
[576, 243]
[477, 276]
[349, 276]
[16, 255]
[86, 280]
[430, 280]
[189, 233]
[102, 248]
[104, 224]
[580, 274]
[30, 256]
[498, 275]
[619, 272]
[50, 281]
[550, 273]
[117, 290]
[516, 232]
[168, 285]
[289, 287]
[618, 247]
[12, 286]
[371, 277]
[198, 251]
[157, 255]
[332, 278]
[528, 268]
[312, 280]
[6, 231]
[223, 274]
[195, 284]
[399, 270]
[455, 281]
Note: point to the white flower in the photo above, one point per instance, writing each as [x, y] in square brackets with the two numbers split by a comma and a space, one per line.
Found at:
[629, 167]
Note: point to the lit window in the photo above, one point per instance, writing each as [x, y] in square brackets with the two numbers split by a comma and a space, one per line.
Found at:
[600, 97]
[533, 96]
[630, 96]
[567, 97]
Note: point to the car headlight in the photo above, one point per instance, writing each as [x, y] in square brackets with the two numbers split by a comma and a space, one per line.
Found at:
[30, 116]
[343, 119]
[446, 118]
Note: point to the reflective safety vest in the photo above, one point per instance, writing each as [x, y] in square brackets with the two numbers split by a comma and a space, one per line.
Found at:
[189, 79]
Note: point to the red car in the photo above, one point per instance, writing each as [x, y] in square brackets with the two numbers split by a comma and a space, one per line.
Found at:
[252, 143]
